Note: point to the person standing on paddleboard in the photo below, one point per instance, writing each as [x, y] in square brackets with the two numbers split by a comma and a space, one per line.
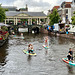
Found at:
[70, 56]
[46, 41]
[30, 48]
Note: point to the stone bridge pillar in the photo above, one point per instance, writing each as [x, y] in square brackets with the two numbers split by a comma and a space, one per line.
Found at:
[5, 21]
[14, 21]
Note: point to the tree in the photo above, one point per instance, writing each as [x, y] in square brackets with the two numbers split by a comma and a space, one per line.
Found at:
[6, 9]
[73, 19]
[2, 14]
[54, 17]
[23, 20]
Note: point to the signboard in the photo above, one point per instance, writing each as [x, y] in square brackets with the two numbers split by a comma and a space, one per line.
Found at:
[23, 29]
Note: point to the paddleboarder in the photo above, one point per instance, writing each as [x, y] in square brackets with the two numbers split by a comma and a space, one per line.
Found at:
[30, 48]
[46, 41]
[70, 55]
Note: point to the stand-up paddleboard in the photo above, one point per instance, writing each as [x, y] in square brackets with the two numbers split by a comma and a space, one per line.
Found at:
[26, 52]
[68, 62]
[18, 37]
[45, 46]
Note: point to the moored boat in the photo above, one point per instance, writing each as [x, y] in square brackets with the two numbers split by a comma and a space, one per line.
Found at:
[3, 34]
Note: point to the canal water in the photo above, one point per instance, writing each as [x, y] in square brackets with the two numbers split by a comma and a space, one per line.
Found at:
[47, 62]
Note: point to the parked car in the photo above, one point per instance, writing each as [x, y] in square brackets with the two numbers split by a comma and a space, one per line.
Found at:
[59, 27]
[56, 27]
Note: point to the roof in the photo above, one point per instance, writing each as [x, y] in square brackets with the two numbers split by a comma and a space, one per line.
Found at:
[56, 7]
[68, 2]
[14, 13]
[68, 6]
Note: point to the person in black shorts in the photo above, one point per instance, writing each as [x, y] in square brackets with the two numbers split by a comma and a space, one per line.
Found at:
[70, 56]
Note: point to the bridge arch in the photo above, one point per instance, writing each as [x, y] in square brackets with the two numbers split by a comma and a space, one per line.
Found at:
[36, 29]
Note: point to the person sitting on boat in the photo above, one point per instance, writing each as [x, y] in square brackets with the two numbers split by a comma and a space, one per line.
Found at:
[46, 41]
[21, 34]
[13, 33]
[30, 48]
[70, 56]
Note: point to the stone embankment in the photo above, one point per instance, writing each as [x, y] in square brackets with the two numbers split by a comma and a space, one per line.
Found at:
[71, 36]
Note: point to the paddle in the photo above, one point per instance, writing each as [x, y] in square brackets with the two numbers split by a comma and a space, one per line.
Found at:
[73, 51]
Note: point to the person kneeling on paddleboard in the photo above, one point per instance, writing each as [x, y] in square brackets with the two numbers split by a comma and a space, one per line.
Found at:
[70, 56]
[30, 48]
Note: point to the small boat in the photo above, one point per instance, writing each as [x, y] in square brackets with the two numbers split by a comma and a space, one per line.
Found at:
[68, 62]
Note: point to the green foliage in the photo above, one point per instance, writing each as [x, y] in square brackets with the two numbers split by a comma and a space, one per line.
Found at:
[23, 20]
[6, 9]
[4, 28]
[74, 12]
[73, 19]
[54, 17]
[2, 14]
[33, 20]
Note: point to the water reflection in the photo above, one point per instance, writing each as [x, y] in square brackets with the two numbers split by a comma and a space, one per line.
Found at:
[29, 58]
[3, 53]
[70, 69]
[46, 52]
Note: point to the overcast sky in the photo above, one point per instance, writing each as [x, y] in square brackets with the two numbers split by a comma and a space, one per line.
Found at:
[34, 5]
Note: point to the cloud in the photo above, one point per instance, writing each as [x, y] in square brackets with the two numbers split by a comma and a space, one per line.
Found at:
[31, 3]
[6, 2]
[60, 1]
[34, 5]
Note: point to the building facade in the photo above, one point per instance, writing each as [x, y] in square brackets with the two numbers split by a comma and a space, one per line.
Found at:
[17, 16]
[72, 7]
[65, 11]
[23, 9]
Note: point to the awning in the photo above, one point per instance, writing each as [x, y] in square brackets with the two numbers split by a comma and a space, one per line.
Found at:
[2, 24]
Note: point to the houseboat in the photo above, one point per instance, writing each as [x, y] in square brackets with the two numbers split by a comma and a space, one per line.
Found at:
[3, 33]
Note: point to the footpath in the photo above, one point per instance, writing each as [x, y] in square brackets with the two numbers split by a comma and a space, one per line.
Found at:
[71, 36]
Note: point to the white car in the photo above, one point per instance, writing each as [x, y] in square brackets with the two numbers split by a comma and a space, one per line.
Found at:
[72, 29]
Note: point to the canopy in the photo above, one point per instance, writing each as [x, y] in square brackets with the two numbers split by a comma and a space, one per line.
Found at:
[48, 27]
[2, 24]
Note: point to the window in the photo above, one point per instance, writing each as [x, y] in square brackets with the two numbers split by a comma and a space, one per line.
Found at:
[66, 10]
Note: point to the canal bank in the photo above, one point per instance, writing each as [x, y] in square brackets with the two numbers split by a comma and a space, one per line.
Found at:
[45, 31]
[70, 36]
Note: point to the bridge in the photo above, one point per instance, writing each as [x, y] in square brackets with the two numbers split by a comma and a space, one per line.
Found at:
[30, 28]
